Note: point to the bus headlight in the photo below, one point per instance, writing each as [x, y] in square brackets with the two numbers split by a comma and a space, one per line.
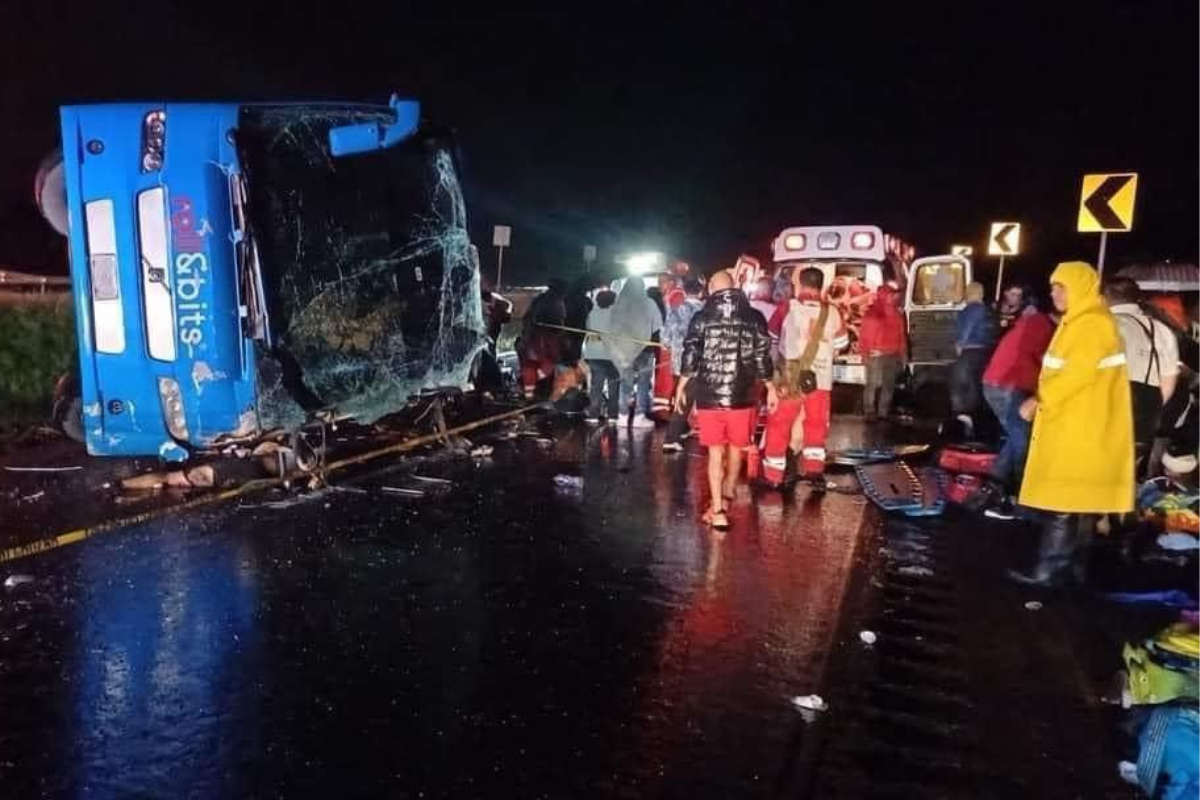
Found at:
[154, 140]
[108, 317]
[172, 407]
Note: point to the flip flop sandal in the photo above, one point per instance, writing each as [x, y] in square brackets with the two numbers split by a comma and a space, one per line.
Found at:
[719, 521]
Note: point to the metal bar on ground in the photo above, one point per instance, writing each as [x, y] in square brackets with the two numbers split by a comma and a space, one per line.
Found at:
[83, 534]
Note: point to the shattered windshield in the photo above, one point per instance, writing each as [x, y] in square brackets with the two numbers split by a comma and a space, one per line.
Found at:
[370, 290]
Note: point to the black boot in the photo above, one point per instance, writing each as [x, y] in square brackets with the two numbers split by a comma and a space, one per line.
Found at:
[1085, 527]
[790, 470]
[1055, 554]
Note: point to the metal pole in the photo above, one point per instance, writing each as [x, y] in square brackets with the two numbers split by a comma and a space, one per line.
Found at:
[499, 265]
[1103, 248]
[999, 279]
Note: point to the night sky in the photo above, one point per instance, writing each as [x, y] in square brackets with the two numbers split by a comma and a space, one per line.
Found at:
[699, 132]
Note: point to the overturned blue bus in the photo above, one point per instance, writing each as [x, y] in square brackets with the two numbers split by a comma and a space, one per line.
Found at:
[238, 268]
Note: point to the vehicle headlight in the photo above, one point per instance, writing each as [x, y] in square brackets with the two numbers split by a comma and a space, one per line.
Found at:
[154, 140]
[172, 407]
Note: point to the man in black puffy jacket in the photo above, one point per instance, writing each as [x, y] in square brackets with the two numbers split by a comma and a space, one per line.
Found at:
[727, 351]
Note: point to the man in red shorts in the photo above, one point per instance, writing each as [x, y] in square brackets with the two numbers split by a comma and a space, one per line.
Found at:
[727, 351]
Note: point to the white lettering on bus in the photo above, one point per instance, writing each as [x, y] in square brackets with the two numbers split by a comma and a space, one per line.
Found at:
[190, 276]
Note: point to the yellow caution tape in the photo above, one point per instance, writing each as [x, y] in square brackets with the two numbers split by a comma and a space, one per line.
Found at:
[83, 534]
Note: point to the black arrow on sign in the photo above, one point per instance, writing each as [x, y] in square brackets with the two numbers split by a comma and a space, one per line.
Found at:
[1097, 203]
[1001, 238]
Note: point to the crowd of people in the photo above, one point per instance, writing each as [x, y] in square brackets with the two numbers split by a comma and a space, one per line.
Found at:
[1079, 390]
[1086, 390]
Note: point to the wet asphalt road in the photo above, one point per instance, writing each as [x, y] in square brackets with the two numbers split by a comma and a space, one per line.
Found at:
[497, 636]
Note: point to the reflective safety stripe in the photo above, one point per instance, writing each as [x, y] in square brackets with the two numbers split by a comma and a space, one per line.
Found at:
[814, 453]
[1053, 362]
[775, 463]
[841, 342]
[1112, 361]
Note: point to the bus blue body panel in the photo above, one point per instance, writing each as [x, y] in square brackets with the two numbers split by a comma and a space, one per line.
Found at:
[145, 313]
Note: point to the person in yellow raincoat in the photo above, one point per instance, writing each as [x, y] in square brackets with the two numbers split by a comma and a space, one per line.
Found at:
[1081, 454]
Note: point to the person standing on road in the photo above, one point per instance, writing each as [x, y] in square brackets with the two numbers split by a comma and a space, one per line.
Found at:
[726, 353]
[540, 347]
[1152, 353]
[679, 319]
[635, 320]
[1011, 378]
[883, 343]
[974, 337]
[784, 291]
[761, 297]
[605, 384]
[577, 305]
[1081, 458]
[813, 332]
[1013, 303]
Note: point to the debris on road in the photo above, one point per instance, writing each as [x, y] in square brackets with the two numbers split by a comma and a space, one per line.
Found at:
[402, 490]
[43, 469]
[32, 498]
[430, 479]
[810, 702]
[13, 581]
[868, 637]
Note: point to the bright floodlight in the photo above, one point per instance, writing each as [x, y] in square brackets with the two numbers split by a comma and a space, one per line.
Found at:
[641, 263]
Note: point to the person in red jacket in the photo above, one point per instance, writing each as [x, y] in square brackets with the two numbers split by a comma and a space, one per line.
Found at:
[1010, 379]
[883, 345]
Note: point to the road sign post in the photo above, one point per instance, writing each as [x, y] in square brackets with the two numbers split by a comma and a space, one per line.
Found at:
[1106, 206]
[1004, 241]
[501, 238]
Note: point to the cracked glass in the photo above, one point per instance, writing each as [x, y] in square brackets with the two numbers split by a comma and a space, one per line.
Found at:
[371, 291]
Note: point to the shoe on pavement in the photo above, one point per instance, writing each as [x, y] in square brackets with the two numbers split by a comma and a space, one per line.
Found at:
[1006, 510]
[642, 421]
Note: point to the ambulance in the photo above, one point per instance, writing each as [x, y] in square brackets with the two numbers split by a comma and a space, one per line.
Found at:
[856, 260]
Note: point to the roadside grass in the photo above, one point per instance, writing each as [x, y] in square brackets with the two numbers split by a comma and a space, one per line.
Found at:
[37, 345]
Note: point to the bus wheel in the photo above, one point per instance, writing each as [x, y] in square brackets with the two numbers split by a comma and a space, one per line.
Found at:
[69, 418]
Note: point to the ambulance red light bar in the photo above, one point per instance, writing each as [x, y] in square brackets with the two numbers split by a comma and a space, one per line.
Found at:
[795, 241]
[862, 240]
